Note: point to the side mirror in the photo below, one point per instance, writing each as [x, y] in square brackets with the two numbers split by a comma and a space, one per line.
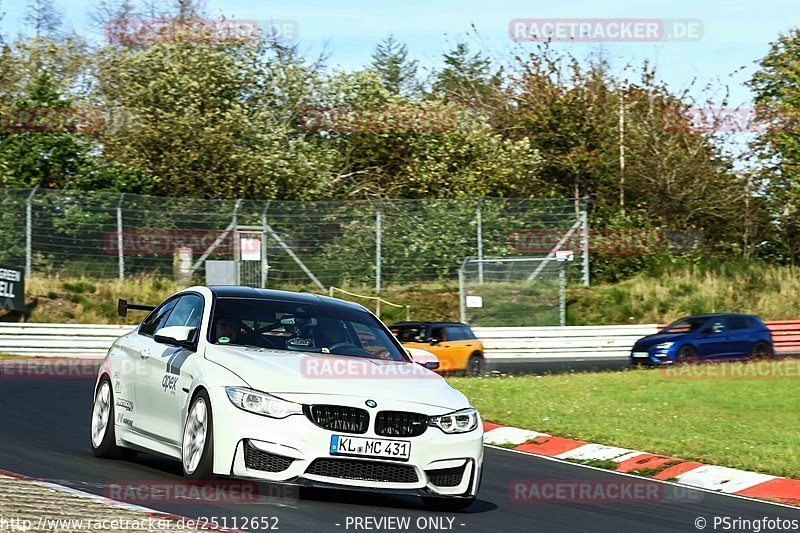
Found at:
[434, 341]
[424, 358]
[179, 336]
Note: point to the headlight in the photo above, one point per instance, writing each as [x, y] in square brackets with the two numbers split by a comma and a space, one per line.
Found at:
[458, 422]
[664, 346]
[261, 403]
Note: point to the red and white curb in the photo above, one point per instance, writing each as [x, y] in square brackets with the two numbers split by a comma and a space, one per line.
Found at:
[691, 473]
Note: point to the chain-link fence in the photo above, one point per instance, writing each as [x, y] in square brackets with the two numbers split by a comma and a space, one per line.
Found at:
[275, 243]
[515, 291]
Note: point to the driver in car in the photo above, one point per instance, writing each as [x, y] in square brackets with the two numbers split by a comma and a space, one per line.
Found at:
[225, 331]
[329, 334]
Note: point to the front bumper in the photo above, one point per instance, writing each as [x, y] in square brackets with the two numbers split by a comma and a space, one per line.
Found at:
[295, 450]
[651, 357]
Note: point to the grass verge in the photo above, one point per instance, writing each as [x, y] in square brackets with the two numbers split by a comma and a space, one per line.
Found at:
[751, 424]
[664, 294]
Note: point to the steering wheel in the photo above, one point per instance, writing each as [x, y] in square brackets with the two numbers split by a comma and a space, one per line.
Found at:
[340, 345]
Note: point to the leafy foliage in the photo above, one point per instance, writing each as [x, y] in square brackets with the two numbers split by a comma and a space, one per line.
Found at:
[230, 120]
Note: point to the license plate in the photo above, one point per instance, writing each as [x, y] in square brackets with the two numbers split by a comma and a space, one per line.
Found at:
[641, 354]
[399, 450]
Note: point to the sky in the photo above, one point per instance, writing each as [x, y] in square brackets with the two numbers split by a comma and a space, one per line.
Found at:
[735, 33]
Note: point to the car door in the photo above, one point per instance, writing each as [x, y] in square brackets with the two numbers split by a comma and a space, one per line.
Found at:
[160, 381]
[123, 377]
[138, 349]
[742, 335]
[714, 340]
[438, 345]
[460, 346]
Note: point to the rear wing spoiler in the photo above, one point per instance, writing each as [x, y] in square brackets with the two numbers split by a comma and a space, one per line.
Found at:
[123, 306]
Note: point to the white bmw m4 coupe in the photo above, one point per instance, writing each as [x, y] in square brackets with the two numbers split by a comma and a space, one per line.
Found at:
[285, 387]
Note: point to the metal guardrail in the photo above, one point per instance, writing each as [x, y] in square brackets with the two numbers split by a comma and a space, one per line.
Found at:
[67, 340]
[576, 343]
[568, 343]
[572, 343]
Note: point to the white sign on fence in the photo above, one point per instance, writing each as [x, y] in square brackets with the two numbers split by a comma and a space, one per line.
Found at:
[474, 301]
[251, 249]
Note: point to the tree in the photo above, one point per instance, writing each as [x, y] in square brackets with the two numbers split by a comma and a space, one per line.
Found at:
[397, 73]
[43, 18]
[44, 147]
[114, 17]
[204, 120]
[420, 149]
[777, 103]
[467, 78]
[676, 178]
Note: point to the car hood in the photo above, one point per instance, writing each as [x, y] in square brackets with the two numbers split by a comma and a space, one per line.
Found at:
[278, 371]
[658, 338]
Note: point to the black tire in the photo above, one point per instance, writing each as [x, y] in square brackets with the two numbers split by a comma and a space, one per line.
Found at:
[762, 350]
[205, 467]
[443, 503]
[687, 355]
[475, 365]
[107, 447]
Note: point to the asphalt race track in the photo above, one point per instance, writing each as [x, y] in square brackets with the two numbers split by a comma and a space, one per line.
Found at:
[44, 428]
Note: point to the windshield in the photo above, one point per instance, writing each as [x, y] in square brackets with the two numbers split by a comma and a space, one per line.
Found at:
[686, 325]
[293, 326]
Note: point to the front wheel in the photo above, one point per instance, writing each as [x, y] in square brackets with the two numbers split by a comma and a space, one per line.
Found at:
[447, 504]
[686, 354]
[104, 440]
[198, 439]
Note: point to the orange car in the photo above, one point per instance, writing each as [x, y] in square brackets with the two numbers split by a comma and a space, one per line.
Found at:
[453, 343]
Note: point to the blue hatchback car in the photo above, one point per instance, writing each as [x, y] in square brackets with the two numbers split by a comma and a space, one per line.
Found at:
[705, 337]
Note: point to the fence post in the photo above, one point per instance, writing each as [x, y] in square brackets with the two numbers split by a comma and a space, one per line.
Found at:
[585, 244]
[462, 302]
[120, 253]
[237, 259]
[378, 253]
[562, 292]
[479, 216]
[29, 232]
[264, 244]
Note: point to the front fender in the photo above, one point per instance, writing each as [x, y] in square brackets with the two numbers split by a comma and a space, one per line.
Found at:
[213, 378]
